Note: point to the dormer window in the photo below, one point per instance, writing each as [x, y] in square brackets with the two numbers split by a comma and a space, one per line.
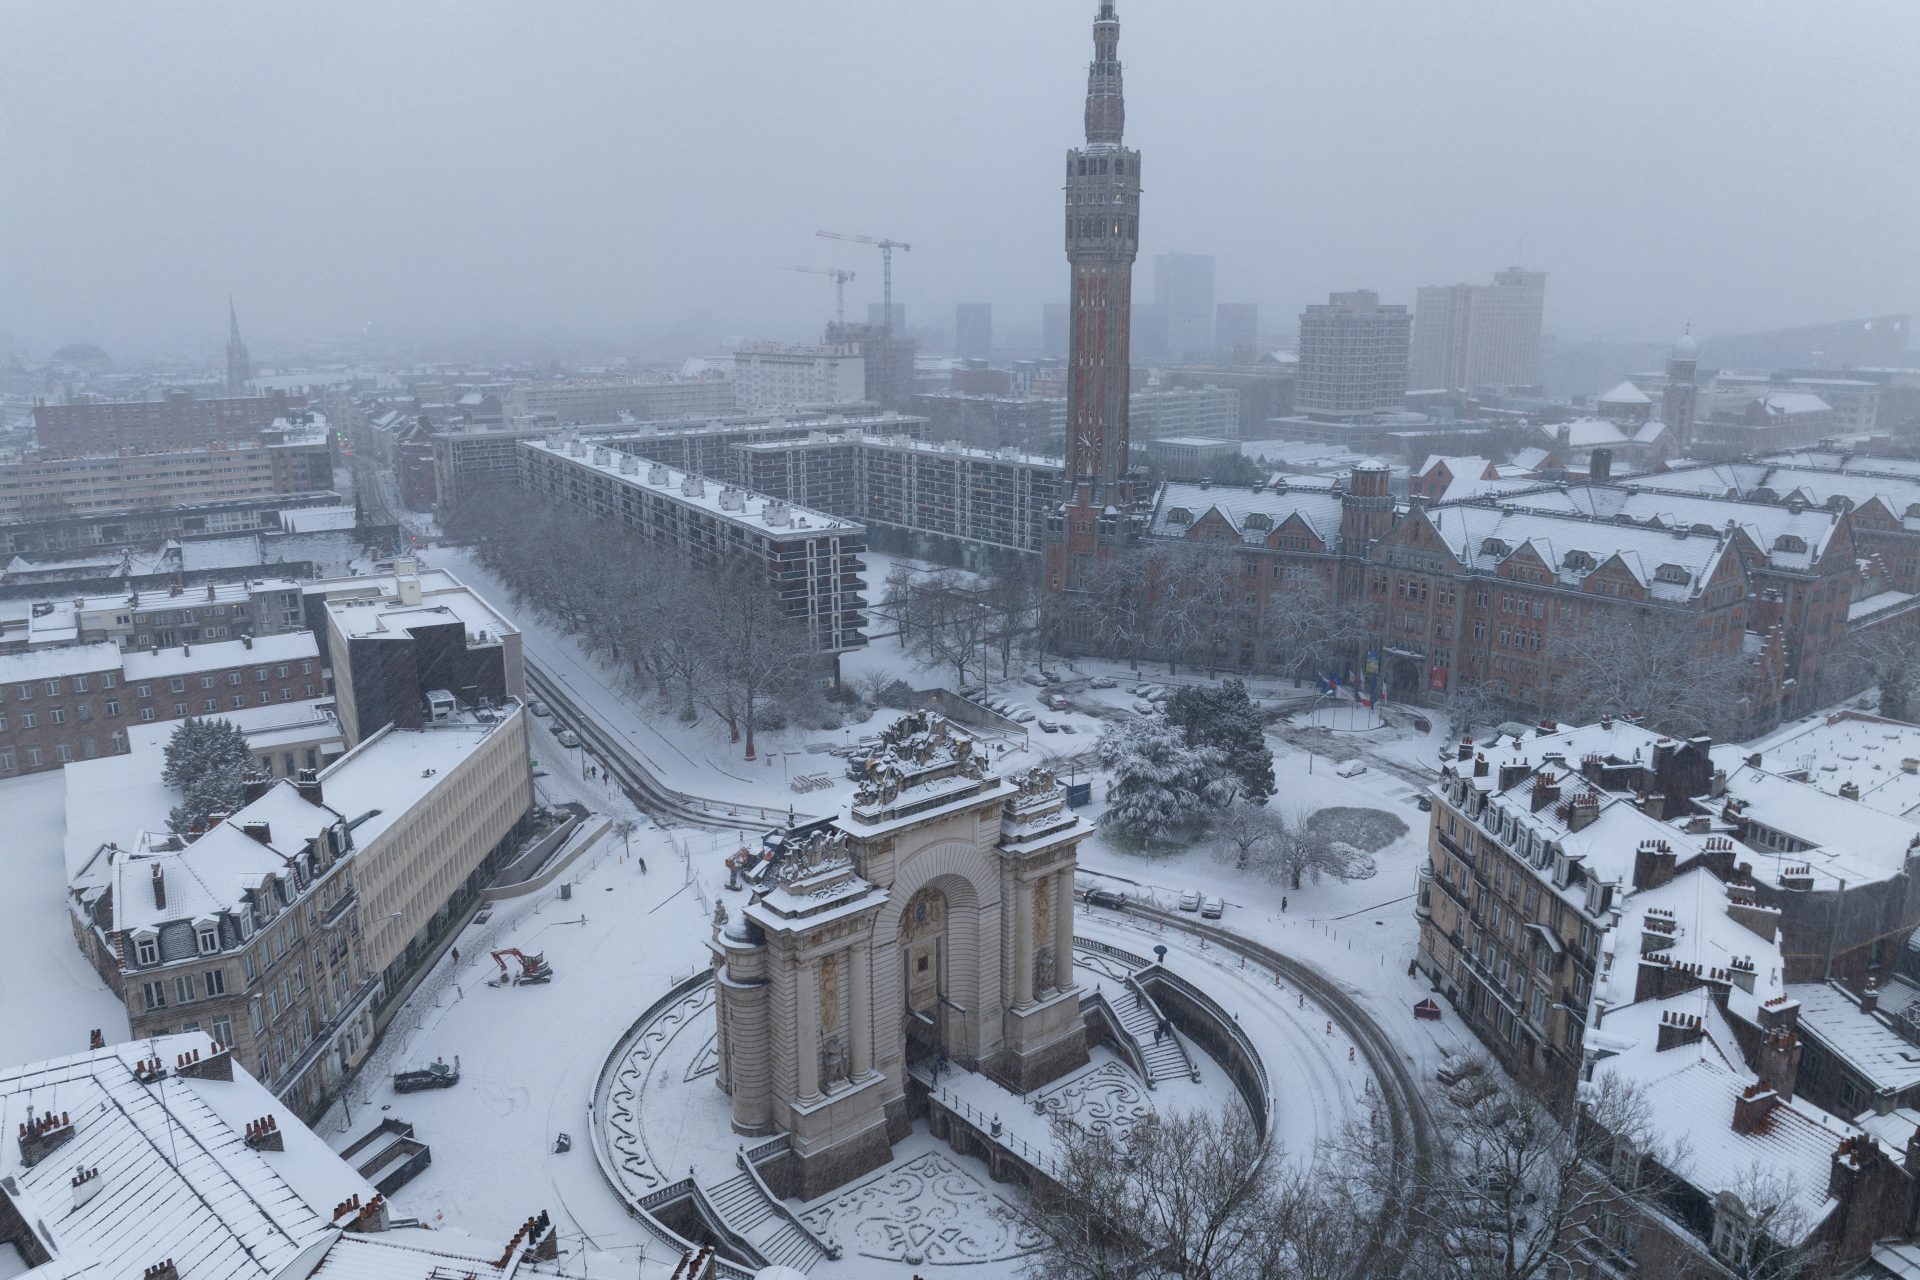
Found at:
[1493, 547]
[1179, 515]
[1258, 520]
[1790, 542]
[1672, 573]
[207, 936]
[1577, 560]
[146, 949]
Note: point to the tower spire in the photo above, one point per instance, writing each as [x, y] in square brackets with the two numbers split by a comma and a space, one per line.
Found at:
[1106, 95]
[239, 367]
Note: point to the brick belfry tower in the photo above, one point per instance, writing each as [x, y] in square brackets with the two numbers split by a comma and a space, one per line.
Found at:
[1097, 515]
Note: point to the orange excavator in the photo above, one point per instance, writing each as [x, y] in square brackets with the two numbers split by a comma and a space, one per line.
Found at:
[533, 968]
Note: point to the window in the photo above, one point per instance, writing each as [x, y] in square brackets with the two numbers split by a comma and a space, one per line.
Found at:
[34, 756]
[206, 682]
[146, 950]
[144, 691]
[79, 684]
[113, 706]
[27, 719]
[53, 688]
[266, 696]
[239, 700]
[179, 708]
[216, 982]
[233, 677]
[253, 1016]
[183, 988]
[247, 968]
[309, 688]
[208, 937]
[146, 713]
[63, 753]
[119, 740]
[260, 674]
[177, 684]
[154, 994]
[213, 705]
[281, 672]
[1732, 1230]
[286, 693]
[8, 763]
[223, 1030]
[106, 680]
[57, 715]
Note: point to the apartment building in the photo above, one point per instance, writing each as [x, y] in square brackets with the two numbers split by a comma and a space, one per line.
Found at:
[1467, 336]
[470, 459]
[1353, 356]
[179, 421]
[77, 702]
[1190, 457]
[1598, 907]
[171, 615]
[37, 486]
[775, 375]
[810, 559]
[584, 400]
[1174, 411]
[937, 499]
[70, 532]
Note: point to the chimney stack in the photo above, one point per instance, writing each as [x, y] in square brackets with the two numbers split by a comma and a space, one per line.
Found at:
[1870, 996]
[1546, 790]
[1677, 1029]
[254, 784]
[1751, 1109]
[40, 1138]
[1586, 808]
[1779, 1060]
[159, 887]
[308, 785]
[86, 1185]
[264, 1135]
[161, 1271]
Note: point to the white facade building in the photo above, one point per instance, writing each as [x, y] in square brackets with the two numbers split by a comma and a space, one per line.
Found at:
[776, 375]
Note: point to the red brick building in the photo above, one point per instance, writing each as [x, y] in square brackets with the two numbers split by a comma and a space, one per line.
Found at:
[181, 421]
[75, 703]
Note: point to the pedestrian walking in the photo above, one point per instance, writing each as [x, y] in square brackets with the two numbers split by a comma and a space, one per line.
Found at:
[1283, 902]
[1139, 998]
[1160, 1030]
[456, 955]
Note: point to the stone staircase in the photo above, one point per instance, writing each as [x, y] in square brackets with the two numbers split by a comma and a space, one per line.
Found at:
[1139, 1015]
[742, 1203]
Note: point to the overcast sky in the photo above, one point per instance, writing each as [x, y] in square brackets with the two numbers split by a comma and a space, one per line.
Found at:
[567, 170]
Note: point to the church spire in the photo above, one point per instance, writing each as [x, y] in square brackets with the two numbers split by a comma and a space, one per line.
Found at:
[239, 367]
[1106, 97]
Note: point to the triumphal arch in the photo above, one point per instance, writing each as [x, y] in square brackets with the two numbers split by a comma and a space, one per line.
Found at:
[931, 923]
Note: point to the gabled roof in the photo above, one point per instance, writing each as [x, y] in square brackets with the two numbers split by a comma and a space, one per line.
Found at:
[1625, 393]
[1320, 511]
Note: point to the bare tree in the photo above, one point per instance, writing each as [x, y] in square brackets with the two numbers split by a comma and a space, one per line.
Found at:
[1183, 1194]
[756, 653]
[1887, 655]
[1297, 851]
[1013, 599]
[951, 623]
[1119, 607]
[1311, 628]
[1245, 832]
[1517, 1189]
[1657, 665]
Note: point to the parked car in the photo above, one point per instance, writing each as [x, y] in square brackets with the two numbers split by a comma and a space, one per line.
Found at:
[1104, 682]
[1213, 908]
[1049, 726]
[1051, 677]
[1457, 1067]
[1035, 679]
[1024, 717]
[539, 708]
[1190, 900]
[1105, 898]
[568, 738]
[1350, 768]
[970, 691]
[1067, 728]
[1138, 690]
[1144, 707]
[1157, 694]
[1425, 802]
[1056, 702]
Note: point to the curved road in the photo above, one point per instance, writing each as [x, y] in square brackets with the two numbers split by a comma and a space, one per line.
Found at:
[1415, 1140]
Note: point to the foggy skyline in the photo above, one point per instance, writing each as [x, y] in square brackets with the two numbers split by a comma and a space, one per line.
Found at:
[597, 172]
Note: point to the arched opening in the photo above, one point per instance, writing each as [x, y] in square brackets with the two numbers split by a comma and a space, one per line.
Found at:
[924, 957]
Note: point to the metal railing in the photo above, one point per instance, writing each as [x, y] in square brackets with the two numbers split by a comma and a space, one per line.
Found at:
[830, 1248]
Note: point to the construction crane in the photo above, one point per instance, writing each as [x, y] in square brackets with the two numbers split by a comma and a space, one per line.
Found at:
[840, 277]
[886, 248]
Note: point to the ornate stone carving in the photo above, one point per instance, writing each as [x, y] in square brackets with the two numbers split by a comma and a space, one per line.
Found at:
[1035, 783]
[834, 1068]
[1042, 970]
[820, 850]
[1042, 913]
[925, 913]
[830, 993]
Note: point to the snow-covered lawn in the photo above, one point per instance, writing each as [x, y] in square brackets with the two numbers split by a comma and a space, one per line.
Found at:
[50, 997]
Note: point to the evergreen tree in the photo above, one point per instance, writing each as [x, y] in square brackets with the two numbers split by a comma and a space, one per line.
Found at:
[205, 760]
[1225, 718]
[1157, 784]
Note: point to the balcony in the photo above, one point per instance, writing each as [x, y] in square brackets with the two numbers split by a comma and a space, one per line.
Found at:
[1453, 847]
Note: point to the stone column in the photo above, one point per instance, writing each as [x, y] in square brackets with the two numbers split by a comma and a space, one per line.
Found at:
[806, 1015]
[860, 1010]
[1063, 929]
[1022, 943]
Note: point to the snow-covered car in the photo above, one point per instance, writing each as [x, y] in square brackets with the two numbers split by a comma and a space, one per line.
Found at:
[1425, 802]
[1350, 768]
[969, 691]
[1067, 728]
[1190, 900]
[539, 708]
[1104, 682]
[1035, 679]
[1049, 726]
[1138, 689]
[1056, 702]
[568, 738]
[1025, 717]
[1051, 677]
[1144, 707]
[1213, 908]
[1157, 694]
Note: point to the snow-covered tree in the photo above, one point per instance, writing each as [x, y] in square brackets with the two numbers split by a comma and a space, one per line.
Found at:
[1157, 784]
[1245, 832]
[1656, 665]
[1300, 851]
[1223, 716]
[205, 760]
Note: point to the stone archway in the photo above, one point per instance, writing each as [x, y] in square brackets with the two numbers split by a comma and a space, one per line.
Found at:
[923, 976]
[943, 910]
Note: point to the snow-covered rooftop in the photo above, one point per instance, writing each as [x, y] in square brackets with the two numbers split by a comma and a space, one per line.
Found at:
[390, 771]
[217, 655]
[1254, 514]
[759, 512]
[1879, 757]
[1833, 1016]
[56, 663]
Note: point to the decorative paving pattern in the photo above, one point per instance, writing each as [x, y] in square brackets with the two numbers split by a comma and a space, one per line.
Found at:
[625, 1139]
[705, 1062]
[926, 1211]
[1107, 1100]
